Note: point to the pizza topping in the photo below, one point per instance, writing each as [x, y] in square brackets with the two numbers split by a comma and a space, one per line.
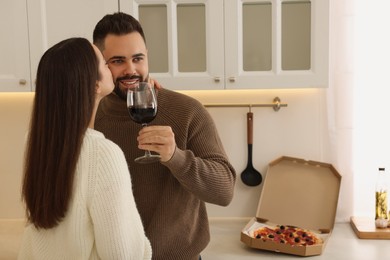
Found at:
[287, 235]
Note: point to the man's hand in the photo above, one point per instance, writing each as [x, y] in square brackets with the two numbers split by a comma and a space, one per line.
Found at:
[159, 139]
[155, 83]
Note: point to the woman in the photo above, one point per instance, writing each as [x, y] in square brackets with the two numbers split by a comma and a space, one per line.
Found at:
[76, 184]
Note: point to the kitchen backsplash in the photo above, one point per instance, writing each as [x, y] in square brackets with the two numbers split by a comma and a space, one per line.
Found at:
[296, 130]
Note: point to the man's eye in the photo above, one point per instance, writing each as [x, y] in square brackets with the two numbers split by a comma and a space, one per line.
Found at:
[115, 62]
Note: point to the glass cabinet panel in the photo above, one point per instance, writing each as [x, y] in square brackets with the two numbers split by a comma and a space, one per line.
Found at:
[230, 44]
[257, 36]
[296, 36]
[191, 37]
[154, 23]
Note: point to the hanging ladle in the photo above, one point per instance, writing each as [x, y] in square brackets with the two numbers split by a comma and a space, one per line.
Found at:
[250, 176]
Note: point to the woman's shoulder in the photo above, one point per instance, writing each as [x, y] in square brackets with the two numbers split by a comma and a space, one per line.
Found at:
[107, 156]
[101, 144]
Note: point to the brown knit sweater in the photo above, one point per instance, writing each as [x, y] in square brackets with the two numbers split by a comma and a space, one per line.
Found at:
[171, 196]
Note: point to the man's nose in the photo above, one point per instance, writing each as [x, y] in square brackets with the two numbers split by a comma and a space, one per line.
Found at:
[130, 68]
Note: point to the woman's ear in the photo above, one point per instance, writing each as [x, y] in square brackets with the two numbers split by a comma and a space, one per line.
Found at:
[98, 88]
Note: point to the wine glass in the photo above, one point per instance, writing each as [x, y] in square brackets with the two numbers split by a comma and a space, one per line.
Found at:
[142, 107]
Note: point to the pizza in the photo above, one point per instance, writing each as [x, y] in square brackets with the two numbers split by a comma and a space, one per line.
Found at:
[290, 235]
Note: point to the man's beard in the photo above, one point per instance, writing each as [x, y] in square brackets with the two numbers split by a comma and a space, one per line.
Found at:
[122, 93]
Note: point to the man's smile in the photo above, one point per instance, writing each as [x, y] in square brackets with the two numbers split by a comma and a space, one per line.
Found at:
[128, 82]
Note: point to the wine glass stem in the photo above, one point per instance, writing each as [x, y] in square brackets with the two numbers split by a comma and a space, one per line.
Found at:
[147, 152]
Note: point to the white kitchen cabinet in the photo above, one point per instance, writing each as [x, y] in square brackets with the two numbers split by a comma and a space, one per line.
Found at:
[204, 41]
[30, 27]
[14, 47]
[51, 21]
[232, 44]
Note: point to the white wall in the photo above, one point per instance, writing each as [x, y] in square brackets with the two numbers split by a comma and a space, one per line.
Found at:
[372, 106]
[297, 130]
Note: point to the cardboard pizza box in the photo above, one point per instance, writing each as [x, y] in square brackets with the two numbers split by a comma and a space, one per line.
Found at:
[298, 193]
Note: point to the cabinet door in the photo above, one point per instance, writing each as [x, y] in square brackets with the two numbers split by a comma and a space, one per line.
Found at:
[276, 43]
[14, 53]
[51, 21]
[246, 44]
[184, 39]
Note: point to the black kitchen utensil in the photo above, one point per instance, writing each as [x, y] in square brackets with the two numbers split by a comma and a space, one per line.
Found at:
[250, 176]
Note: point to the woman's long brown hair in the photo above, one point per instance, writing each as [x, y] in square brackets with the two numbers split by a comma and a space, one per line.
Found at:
[62, 109]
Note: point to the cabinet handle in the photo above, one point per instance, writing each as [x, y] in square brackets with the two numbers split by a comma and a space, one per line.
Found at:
[232, 79]
[22, 82]
[217, 79]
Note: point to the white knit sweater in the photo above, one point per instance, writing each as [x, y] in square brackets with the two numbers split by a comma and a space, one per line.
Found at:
[102, 221]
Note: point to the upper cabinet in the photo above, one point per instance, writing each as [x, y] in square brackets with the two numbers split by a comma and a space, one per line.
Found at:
[230, 44]
[31, 27]
[192, 44]
[14, 51]
[51, 21]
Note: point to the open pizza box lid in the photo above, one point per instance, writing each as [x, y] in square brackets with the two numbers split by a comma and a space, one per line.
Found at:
[298, 193]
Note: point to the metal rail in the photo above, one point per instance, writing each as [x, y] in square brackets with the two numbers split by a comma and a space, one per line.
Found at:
[276, 105]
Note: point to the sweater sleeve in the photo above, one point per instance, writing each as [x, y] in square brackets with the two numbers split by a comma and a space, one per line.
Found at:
[201, 165]
[117, 225]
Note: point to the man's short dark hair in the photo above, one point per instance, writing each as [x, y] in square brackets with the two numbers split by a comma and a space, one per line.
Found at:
[118, 24]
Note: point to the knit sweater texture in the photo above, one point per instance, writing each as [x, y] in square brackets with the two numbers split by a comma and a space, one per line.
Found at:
[171, 196]
[102, 221]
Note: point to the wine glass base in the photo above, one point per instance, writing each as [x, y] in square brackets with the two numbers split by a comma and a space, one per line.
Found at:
[148, 159]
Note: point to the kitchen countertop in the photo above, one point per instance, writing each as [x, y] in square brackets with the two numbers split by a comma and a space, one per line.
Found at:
[225, 243]
[342, 245]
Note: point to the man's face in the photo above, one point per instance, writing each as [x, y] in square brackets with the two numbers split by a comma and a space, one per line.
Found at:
[126, 56]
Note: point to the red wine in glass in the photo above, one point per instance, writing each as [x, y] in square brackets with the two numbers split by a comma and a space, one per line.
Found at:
[142, 107]
[142, 115]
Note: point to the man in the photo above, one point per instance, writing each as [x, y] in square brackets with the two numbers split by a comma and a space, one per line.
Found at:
[193, 169]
